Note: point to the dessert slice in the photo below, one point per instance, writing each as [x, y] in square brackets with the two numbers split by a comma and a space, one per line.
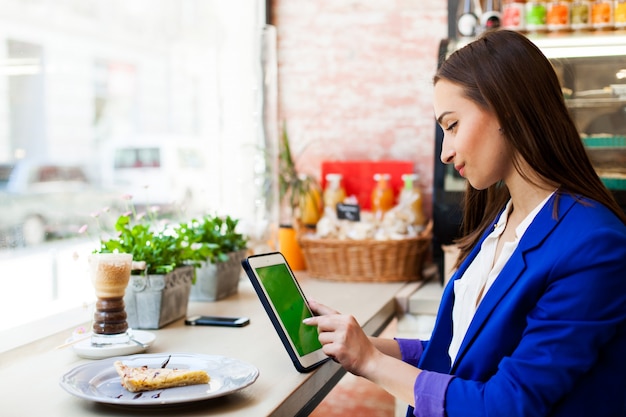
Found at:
[149, 379]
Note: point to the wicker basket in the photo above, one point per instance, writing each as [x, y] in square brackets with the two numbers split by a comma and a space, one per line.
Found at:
[367, 260]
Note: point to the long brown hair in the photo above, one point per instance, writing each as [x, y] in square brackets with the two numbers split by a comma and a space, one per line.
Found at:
[503, 72]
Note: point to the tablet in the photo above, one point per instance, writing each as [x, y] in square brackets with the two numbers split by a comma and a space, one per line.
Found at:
[286, 306]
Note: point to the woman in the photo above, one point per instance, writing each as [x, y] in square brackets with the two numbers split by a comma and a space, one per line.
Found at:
[533, 323]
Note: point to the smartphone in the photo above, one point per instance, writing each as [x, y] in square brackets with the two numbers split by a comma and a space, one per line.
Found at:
[217, 321]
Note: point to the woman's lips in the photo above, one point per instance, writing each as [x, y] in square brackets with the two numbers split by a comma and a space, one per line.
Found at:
[460, 169]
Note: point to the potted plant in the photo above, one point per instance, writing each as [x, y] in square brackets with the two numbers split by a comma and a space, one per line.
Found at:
[163, 272]
[219, 249]
[300, 194]
[301, 203]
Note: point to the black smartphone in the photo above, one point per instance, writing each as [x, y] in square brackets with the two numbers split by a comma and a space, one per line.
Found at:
[217, 321]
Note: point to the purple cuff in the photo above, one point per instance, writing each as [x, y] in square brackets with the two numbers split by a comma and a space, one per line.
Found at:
[411, 350]
[430, 394]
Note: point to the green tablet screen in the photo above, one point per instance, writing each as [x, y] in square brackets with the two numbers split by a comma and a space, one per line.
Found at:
[291, 307]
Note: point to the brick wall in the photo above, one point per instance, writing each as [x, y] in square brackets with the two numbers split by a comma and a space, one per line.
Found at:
[355, 80]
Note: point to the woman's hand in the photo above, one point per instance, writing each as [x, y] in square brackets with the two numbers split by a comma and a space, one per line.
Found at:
[373, 358]
[343, 339]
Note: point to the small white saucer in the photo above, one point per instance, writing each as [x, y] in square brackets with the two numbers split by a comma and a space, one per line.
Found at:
[84, 349]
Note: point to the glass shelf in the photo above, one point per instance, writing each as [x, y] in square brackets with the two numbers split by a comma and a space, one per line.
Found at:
[596, 103]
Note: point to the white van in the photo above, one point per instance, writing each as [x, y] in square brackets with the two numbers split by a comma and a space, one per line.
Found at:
[166, 171]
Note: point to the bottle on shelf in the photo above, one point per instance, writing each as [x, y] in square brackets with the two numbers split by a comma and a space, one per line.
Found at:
[620, 14]
[334, 192]
[513, 15]
[536, 15]
[558, 15]
[411, 196]
[382, 195]
[580, 15]
[602, 15]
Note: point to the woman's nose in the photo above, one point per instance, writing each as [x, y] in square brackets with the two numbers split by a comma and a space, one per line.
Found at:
[447, 153]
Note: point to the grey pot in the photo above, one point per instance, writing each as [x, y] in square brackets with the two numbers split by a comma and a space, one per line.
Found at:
[154, 301]
[215, 281]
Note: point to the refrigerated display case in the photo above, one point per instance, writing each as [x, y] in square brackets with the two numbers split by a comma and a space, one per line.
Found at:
[592, 70]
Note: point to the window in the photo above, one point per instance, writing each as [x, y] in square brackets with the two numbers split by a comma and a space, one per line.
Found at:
[137, 158]
[79, 78]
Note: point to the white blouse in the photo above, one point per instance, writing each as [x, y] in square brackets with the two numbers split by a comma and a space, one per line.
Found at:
[470, 289]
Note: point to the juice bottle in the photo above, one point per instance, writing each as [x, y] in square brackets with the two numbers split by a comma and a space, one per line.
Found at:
[580, 15]
[558, 16]
[334, 192]
[382, 195]
[411, 196]
[513, 15]
[602, 15]
[536, 15]
[620, 14]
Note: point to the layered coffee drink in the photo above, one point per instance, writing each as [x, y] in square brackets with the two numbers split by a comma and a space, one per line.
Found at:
[110, 273]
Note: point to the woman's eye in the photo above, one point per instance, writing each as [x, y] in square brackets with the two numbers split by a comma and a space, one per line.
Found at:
[451, 126]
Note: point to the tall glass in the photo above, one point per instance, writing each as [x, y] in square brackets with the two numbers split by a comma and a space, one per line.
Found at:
[110, 273]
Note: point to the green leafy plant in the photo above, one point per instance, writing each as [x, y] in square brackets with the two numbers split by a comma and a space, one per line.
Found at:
[161, 249]
[211, 238]
[165, 245]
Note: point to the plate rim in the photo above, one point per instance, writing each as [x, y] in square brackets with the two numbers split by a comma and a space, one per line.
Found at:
[149, 401]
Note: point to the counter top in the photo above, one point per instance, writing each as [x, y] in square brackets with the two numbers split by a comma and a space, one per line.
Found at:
[31, 373]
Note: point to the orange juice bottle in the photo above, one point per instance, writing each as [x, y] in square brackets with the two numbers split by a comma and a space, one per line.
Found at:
[382, 195]
[558, 16]
[602, 15]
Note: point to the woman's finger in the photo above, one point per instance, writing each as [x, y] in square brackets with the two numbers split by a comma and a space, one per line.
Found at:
[320, 309]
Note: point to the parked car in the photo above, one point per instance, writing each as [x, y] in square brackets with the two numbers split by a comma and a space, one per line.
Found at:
[40, 200]
[159, 170]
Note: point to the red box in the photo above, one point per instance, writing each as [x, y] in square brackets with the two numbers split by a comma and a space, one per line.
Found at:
[358, 177]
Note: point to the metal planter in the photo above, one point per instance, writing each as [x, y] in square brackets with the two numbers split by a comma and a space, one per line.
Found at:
[154, 301]
[215, 281]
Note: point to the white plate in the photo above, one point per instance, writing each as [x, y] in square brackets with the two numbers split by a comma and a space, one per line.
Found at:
[98, 381]
[84, 348]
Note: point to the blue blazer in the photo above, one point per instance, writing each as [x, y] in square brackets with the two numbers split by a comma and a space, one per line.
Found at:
[549, 337]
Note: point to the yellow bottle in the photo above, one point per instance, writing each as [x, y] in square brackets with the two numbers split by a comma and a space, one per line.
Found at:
[411, 196]
[620, 14]
[382, 195]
